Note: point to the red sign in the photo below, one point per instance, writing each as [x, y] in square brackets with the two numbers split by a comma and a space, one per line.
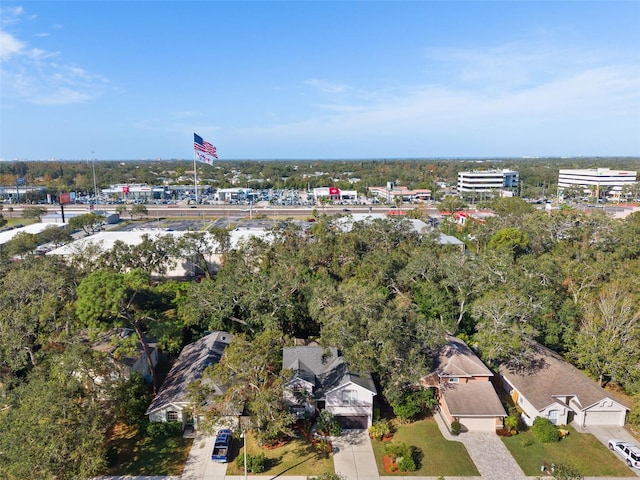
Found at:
[125, 189]
[334, 191]
[64, 198]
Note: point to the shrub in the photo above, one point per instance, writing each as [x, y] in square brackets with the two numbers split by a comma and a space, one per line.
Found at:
[255, 463]
[407, 464]
[402, 454]
[545, 431]
[511, 423]
[380, 429]
[328, 476]
[566, 472]
[396, 450]
[411, 402]
[324, 447]
[327, 424]
[455, 427]
[164, 429]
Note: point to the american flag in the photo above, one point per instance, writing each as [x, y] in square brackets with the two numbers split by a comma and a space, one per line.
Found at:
[205, 147]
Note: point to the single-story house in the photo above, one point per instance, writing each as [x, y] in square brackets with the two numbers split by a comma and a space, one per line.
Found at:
[322, 380]
[464, 389]
[172, 402]
[553, 388]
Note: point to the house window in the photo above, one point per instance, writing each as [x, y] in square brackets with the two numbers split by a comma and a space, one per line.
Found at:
[172, 416]
[552, 415]
[349, 397]
[454, 380]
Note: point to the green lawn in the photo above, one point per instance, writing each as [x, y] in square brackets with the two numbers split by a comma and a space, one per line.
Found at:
[297, 457]
[438, 456]
[581, 451]
[148, 456]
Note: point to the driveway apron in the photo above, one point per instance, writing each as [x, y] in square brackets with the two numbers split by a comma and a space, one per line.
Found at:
[199, 465]
[353, 456]
[491, 457]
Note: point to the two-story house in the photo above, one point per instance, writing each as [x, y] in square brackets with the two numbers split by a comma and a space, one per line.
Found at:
[463, 388]
[322, 380]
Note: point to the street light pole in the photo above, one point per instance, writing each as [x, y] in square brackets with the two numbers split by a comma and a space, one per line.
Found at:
[243, 435]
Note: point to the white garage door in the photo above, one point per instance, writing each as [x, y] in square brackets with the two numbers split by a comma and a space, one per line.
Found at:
[478, 424]
[594, 417]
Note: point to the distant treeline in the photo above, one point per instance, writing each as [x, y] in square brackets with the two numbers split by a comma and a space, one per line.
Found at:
[538, 176]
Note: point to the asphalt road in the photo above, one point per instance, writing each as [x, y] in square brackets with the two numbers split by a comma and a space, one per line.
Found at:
[237, 211]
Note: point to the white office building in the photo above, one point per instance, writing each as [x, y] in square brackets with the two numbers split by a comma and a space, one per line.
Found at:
[480, 181]
[602, 182]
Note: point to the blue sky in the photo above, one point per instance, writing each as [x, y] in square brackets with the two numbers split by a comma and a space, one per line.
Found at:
[315, 80]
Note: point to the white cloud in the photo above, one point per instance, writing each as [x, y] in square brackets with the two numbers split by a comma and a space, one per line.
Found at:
[40, 76]
[10, 15]
[9, 46]
[507, 87]
[327, 87]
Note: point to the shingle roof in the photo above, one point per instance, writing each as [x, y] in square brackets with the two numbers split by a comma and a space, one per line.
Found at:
[456, 359]
[551, 375]
[474, 398]
[328, 368]
[189, 366]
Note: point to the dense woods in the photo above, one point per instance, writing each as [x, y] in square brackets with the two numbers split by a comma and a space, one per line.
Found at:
[381, 293]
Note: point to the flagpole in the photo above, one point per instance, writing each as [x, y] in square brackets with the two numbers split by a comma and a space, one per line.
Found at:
[195, 173]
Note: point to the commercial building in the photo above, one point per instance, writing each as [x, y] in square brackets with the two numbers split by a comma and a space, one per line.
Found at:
[597, 182]
[486, 181]
[389, 193]
[334, 194]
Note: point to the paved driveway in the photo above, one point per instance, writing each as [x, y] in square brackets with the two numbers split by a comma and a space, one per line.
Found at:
[199, 464]
[353, 456]
[491, 457]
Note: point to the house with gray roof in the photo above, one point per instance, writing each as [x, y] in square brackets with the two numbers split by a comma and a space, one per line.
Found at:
[553, 388]
[463, 388]
[172, 402]
[322, 380]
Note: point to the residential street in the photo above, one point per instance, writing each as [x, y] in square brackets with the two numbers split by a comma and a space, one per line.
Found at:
[353, 458]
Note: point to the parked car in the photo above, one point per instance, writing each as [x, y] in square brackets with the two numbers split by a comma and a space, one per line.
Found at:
[629, 452]
[222, 446]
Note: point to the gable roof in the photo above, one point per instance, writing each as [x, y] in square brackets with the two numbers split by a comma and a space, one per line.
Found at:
[456, 359]
[189, 366]
[324, 368]
[551, 375]
[475, 399]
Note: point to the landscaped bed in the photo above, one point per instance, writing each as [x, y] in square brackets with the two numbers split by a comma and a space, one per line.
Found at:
[438, 456]
[581, 451]
[296, 457]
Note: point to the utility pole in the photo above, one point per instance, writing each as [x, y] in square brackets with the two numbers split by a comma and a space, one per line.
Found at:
[243, 435]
